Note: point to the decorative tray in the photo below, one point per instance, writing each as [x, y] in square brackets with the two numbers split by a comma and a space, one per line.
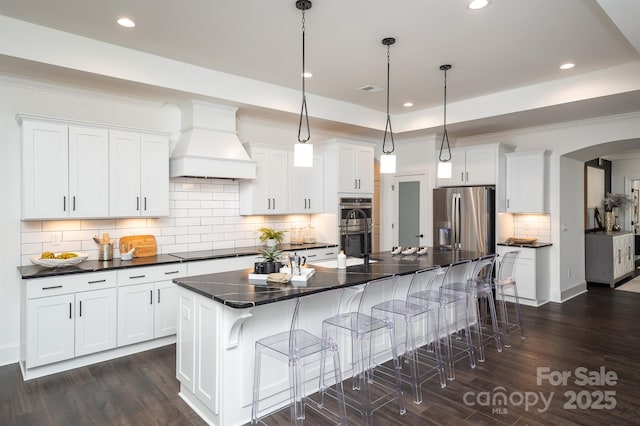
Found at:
[521, 240]
[58, 263]
[306, 273]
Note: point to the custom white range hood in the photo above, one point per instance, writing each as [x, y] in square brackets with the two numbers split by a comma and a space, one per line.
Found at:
[208, 145]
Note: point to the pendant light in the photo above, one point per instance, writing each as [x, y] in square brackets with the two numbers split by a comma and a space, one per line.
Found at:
[303, 151]
[388, 159]
[444, 165]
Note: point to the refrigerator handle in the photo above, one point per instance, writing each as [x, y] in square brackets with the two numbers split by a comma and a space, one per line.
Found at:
[458, 221]
[453, 221]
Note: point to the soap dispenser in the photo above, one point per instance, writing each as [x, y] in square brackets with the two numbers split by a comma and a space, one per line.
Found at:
[342, 260]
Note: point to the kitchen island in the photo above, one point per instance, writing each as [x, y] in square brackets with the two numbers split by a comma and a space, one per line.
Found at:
[220, 316]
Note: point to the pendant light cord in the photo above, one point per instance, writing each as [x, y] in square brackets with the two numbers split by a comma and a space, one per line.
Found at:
[303, 109]
[388, 124]
[445, 135]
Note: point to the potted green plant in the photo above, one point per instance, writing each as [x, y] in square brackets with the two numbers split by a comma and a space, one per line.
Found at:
[271, 261]
[270, 236]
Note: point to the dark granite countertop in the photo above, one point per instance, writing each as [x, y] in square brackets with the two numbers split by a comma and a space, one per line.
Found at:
[535, 244]
[35, 271]
[235, 290]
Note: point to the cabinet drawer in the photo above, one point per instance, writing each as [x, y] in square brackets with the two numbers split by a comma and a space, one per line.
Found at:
[43, 287]
[320, 254]
[151, 274]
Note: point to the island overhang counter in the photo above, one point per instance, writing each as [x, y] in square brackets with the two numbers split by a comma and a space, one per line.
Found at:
[221, 315]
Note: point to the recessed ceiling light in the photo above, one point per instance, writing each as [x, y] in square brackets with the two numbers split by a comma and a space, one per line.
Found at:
[126, 22]
[307, 74]
[477, 4]
[408, 104]
[567, 66]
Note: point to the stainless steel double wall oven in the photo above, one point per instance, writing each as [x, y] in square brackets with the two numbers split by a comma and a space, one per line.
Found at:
[356, 225]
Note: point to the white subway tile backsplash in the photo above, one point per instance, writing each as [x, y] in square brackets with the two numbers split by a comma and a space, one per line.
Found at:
[532, 226]
[204, 214]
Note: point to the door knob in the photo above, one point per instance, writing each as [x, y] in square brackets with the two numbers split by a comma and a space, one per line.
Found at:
[420, 236]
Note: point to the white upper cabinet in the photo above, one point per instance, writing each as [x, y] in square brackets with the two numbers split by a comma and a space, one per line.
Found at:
[527, 182]
[355, 168]
[139, 174]
[475, 165]
[267, 194]
[65, 170]
[306, 187]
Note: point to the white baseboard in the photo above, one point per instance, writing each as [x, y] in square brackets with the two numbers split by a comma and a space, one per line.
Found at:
[9, 353]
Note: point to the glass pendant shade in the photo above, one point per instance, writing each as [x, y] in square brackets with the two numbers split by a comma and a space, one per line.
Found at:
[303, 155]
[445, 168]
[387, 163]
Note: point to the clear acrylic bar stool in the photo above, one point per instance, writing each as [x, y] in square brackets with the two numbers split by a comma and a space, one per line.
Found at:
[372, 343]
[296, 347]
[415, 332]
[456, 339]
[479, 292]
[504, 284]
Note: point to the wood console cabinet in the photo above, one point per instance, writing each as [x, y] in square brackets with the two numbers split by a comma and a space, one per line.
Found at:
[609, 257]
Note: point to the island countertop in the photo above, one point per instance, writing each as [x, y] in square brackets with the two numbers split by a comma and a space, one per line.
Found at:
[234, 289]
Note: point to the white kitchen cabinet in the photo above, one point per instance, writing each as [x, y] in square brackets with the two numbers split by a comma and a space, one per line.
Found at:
[609, 257]
[147, 302]
[267, 194]
[306, 187]
[314, 255]
[67, 317]
[476, 165]
[527, 182]
[139, 174]
[532, 273]
[355, 168]
[65, 170]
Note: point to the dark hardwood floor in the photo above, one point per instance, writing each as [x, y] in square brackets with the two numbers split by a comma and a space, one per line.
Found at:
[594, 331]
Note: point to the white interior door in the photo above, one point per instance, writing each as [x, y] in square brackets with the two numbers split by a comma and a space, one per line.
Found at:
[412, 214]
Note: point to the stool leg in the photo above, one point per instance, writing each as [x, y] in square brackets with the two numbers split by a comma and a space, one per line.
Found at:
[411, 354]
[518, 314]
[494, 320]
[296, 385]
[472, 361]
[396, 364]
[478, 327]
[342, 409]
[256, 386]
[504, 315]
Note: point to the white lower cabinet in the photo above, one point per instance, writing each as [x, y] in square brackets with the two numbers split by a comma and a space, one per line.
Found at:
[609, 257]
[532, 273]
[68, 316]
[147, 302]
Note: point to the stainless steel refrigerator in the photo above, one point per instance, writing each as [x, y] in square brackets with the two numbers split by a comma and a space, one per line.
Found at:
[464, 218]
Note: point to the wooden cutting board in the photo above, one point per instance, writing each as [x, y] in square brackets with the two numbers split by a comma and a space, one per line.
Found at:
[145, 245]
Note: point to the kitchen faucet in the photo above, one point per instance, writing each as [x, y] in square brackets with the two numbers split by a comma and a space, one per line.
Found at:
[365, 255]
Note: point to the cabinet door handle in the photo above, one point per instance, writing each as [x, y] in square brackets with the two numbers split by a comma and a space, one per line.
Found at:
[64, 203]
[158, 295]
[619, 256]
[467, 175]
[629, 251]
[74, 203]
[274, 203]
[137, 203]
[309, 203]
[52, 287]
[69, 310]
[355, 184]
[131, 277]
[462, 176]
[171, 272]
[96, 281]
[268, 203]
[508, 203]
[145, 203]
[151, 297]
[81, 308]
[359, 184]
